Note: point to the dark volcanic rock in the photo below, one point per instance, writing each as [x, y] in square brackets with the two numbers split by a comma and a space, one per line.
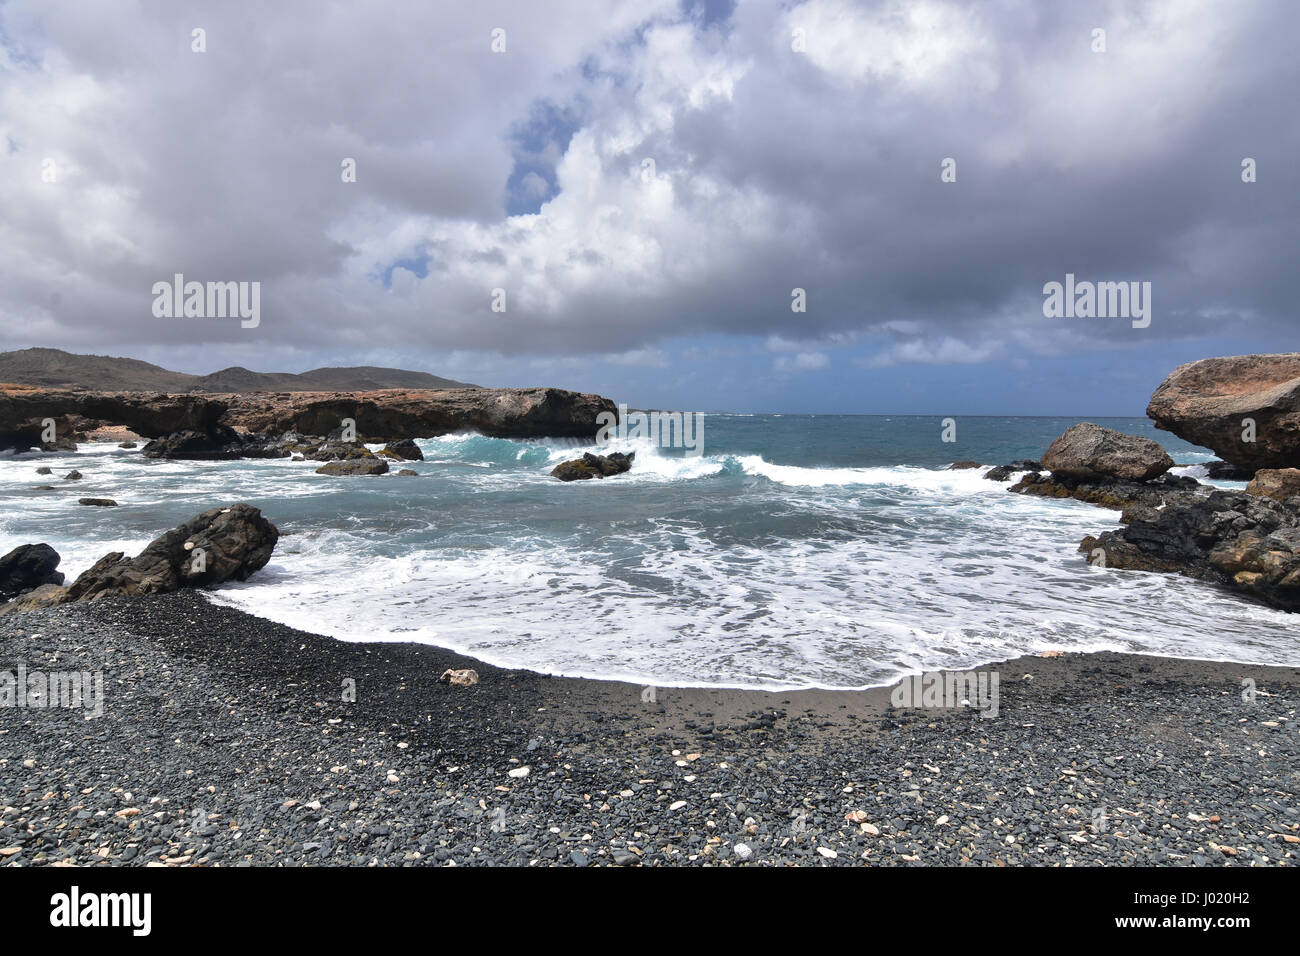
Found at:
[1003, 472]
[27, 567]
[406, 449]
[593, 466]
[1226, 471]
[1108, 492]
[97, 502]
[354, 466]
[23, 409]
[963, 465]
[1207, 403]
[1247, 542]
[221, 544]
[1089, 452]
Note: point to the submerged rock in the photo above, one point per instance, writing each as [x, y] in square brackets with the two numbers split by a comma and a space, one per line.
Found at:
[27, 567]
[1003, 472]
[1088, 452]
[1209, 402]
[354, 466]
[593, 466]
[98, 502]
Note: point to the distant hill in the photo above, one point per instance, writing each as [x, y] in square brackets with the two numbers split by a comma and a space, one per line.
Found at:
[56, 368]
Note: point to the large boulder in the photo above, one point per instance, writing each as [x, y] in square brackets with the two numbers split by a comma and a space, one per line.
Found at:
[1208, 402]
[1089, 452]
[221, 544]
[406, 449]
[28, 567]
[593, 466]
[1278, 483]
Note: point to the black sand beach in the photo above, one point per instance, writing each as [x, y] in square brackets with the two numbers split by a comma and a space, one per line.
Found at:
[225, 740]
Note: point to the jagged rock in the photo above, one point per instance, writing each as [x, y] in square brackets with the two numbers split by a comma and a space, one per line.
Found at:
[73, 475]
[1247, 542]
[26, 567]
[98, 502]
[24, 409]
[1207, 403]
[1003, 472]
[354, 466]
[963, 465]
[406, 449]
[1113, 493]
[1279, 483]
[464, 677]
[47, 595]
[337, 451]
[1088, 452]
[1226, 471]
[593, 466]
[44, 470]
[221, 544]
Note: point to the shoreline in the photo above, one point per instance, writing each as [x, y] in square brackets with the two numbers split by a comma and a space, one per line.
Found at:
[225, 740]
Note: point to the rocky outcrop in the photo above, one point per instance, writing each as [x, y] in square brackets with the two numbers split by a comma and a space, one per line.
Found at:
[1115, 493]
[395, 414]
[350, 467]
[214, 427]
[593, 466]
[27, 567]
[221, 544]
[1089, 452]
[24, 410]
[1278, 483]
[1003, 472]
[963, 465]
[1250, 543]
[1208, 402]
[97, 502]
[405, 450]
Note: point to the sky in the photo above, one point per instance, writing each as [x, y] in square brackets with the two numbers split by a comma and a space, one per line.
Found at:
[642, 186]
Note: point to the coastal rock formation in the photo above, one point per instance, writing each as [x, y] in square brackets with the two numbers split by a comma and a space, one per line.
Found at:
[27, 567]
[1115, 493]
[406, 450]
[1279, 483]
[396, 414]
[237, 425]
[354, 466]
[1003, 472]
[593, 466]
[1208, 403]
[97, 502]
[1247, 542]
[221, 544]
[1088, 452]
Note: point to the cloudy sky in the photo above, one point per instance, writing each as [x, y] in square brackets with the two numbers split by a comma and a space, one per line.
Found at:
[648, 182]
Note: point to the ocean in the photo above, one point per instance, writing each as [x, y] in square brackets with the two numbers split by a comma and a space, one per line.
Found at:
[796, 551]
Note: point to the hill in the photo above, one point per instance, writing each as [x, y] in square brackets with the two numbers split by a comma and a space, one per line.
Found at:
[55, 368]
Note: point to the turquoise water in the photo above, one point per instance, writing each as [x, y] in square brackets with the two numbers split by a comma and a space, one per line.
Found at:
[826, 551]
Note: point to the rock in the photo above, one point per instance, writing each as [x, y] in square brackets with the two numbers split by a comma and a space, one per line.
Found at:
[517, 772]
[1226, 471]
[963, 465]
[24, 408]
[127, 444]
[1279, 483]
[354, 466]
[407, 473]
[221, 544]
[1206, 403]
[1250, 543]
[73, 475]
[406, 449]
[1111, 493]
[466, 677]
[218, 443]
[1003, 472]
[27, 567]
[593, 466]
[44, 470]
[742, 851]
[1089, 452]
[98, 502]
[47, 595]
